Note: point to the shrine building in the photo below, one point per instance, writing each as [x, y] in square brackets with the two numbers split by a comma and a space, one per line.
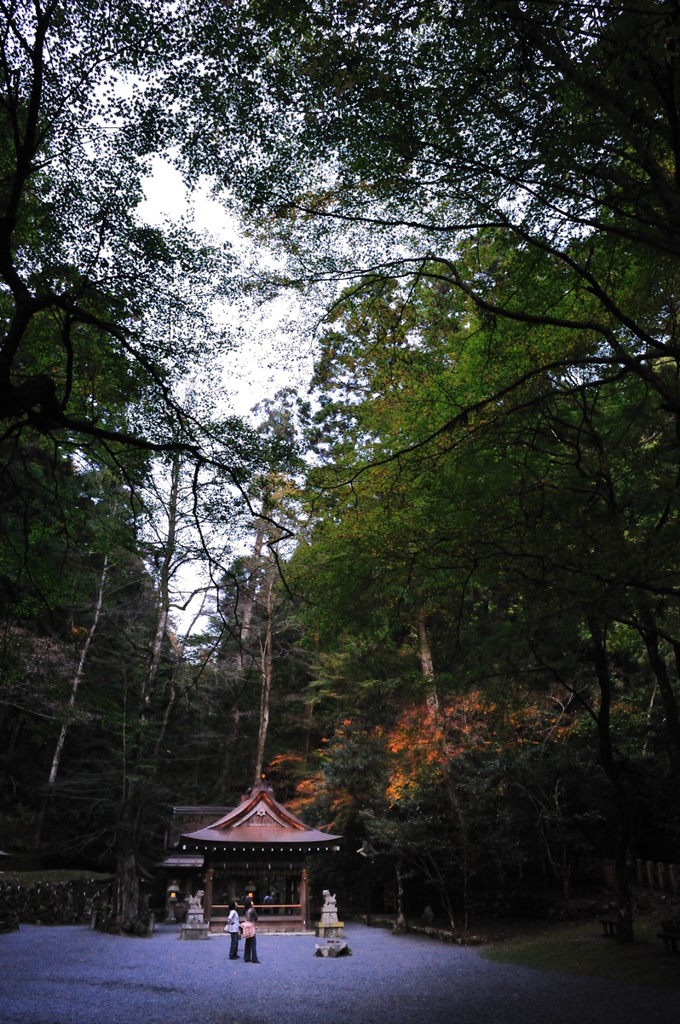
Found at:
[257, 850]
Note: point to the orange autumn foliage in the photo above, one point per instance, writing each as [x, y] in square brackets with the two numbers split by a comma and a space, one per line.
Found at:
[306, 793]
[424, 745]
[422, 748]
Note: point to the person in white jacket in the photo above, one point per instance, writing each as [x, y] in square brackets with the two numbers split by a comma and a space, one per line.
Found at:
[233, 926]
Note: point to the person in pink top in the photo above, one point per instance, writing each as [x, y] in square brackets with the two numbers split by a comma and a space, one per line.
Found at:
[250, 933]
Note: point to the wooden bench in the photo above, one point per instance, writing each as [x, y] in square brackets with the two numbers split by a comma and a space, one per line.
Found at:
[610, 924]
[669, 935]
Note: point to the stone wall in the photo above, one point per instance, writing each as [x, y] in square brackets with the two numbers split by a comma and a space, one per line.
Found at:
[658, 876]
[648, 874]
[71, 902]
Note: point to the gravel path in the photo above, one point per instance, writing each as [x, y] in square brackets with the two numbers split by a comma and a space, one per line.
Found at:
[70, 975]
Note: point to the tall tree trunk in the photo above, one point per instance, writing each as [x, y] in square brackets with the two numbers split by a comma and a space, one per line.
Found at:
[400, 927]
[249, 595]
[179, 654]
[649, 718]
[426, 663]
[651, 638]
[126, 908]
[79, 671]
[308, 723]
[9, 749]
[128, 895]
[621, 873]
[167, 570]
[465, 846]
[267, 666]
[367, 889]
[75, 683]
[4, 709]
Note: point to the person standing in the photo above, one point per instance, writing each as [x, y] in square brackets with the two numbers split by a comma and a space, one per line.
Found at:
[250, 934]
[233, 925]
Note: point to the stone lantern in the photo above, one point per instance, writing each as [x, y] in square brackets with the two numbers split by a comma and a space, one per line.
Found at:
[171, 900]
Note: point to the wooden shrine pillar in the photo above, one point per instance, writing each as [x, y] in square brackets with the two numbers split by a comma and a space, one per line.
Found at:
[304, 900]
[207, 896]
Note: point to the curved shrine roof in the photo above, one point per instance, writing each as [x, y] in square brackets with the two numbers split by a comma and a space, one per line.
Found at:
[260, 819]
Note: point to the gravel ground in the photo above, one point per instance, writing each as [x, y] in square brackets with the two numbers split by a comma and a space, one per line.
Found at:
[70, 975]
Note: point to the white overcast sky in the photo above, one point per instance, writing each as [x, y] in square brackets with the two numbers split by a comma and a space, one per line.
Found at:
[266, 363]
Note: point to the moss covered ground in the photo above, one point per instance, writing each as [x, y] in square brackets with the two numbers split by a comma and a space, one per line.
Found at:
[579, 948]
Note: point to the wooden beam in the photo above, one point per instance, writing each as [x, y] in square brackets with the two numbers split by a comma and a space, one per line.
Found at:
[304, 899]
[207, 896]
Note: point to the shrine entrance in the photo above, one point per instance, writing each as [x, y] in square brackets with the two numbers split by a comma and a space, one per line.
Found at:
[278, 891]
[258, 851]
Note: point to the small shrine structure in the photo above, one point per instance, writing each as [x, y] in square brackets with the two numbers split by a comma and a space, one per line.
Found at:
[259, 851]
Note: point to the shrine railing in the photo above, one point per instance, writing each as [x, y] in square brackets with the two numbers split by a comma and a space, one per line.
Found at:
[261, 906]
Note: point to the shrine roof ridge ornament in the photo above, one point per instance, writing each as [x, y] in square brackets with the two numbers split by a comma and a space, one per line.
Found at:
[260, 818]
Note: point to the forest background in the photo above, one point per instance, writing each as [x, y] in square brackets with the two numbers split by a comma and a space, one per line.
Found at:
[437, 592]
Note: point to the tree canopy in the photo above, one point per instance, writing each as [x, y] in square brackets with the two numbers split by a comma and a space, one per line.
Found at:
[454, 629]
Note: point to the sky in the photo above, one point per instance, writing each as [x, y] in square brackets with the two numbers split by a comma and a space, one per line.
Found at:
[266, 363]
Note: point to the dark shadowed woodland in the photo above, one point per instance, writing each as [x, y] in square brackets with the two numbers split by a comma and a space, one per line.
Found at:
[434, 594]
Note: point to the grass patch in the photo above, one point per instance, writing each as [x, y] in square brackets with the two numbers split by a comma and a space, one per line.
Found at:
[56, 875]
[581, 949]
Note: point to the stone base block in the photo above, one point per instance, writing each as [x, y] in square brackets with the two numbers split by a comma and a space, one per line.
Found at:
[331, 931]
[193, 931]
[333, 948]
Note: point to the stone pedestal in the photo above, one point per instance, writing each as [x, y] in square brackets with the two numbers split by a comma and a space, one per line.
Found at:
[335, 930]
[194, 931]
[332, 949]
